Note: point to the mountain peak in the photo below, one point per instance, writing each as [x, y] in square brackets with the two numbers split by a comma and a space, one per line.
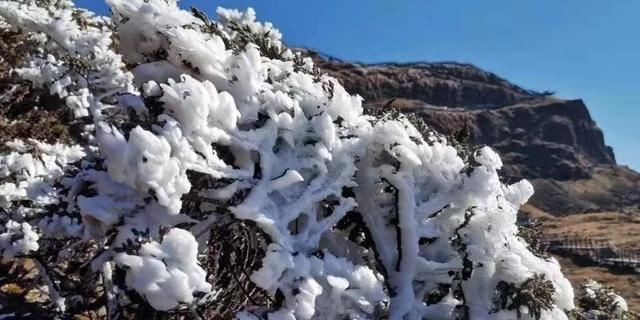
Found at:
[444, 84]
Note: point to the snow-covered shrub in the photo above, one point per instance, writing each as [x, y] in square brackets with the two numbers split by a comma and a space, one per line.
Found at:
[191, 127]
[533, 295]
[595, 301]
[531, 232]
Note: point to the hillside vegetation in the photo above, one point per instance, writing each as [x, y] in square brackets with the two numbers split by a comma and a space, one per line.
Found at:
[187, 167]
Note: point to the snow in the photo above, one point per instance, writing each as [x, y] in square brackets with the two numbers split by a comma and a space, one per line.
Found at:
[27, 239]
[60, 226]
[288, 178]
[608, 303]
[166, 273]
[144, 162]
[273, 265]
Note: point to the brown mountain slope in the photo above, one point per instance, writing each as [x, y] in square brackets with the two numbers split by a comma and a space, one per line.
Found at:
[552, 142]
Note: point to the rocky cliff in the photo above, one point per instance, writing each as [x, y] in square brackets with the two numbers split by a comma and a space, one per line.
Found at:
[550, 141]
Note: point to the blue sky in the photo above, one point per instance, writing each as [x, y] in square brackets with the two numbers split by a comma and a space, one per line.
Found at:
[587, 49]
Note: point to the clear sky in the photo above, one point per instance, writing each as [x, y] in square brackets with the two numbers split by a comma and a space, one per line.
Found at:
[587, 49]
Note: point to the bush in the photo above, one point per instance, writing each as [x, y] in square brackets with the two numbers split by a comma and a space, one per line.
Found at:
[598, 302]
[211, 172]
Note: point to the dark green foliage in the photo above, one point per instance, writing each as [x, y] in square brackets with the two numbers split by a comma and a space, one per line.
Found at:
[535, 293]
[437, 294]
[596, 301]
[458, 243]
[212, 28]
[246, 36]
[531, 233]
[78, 64]
[469, 154]
[299, 66]
[463, 134]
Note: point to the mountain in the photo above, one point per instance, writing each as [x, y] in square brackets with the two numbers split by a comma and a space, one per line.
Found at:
[552, 142]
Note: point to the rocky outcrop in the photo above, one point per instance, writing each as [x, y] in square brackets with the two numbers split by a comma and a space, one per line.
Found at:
[552, 142]
[548, 138]
[443, 84]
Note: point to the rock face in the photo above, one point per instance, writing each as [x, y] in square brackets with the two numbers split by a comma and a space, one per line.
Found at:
[547, 138]
[552, 142]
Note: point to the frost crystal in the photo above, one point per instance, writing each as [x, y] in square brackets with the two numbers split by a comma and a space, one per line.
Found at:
[166, 273]
[192, 125]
